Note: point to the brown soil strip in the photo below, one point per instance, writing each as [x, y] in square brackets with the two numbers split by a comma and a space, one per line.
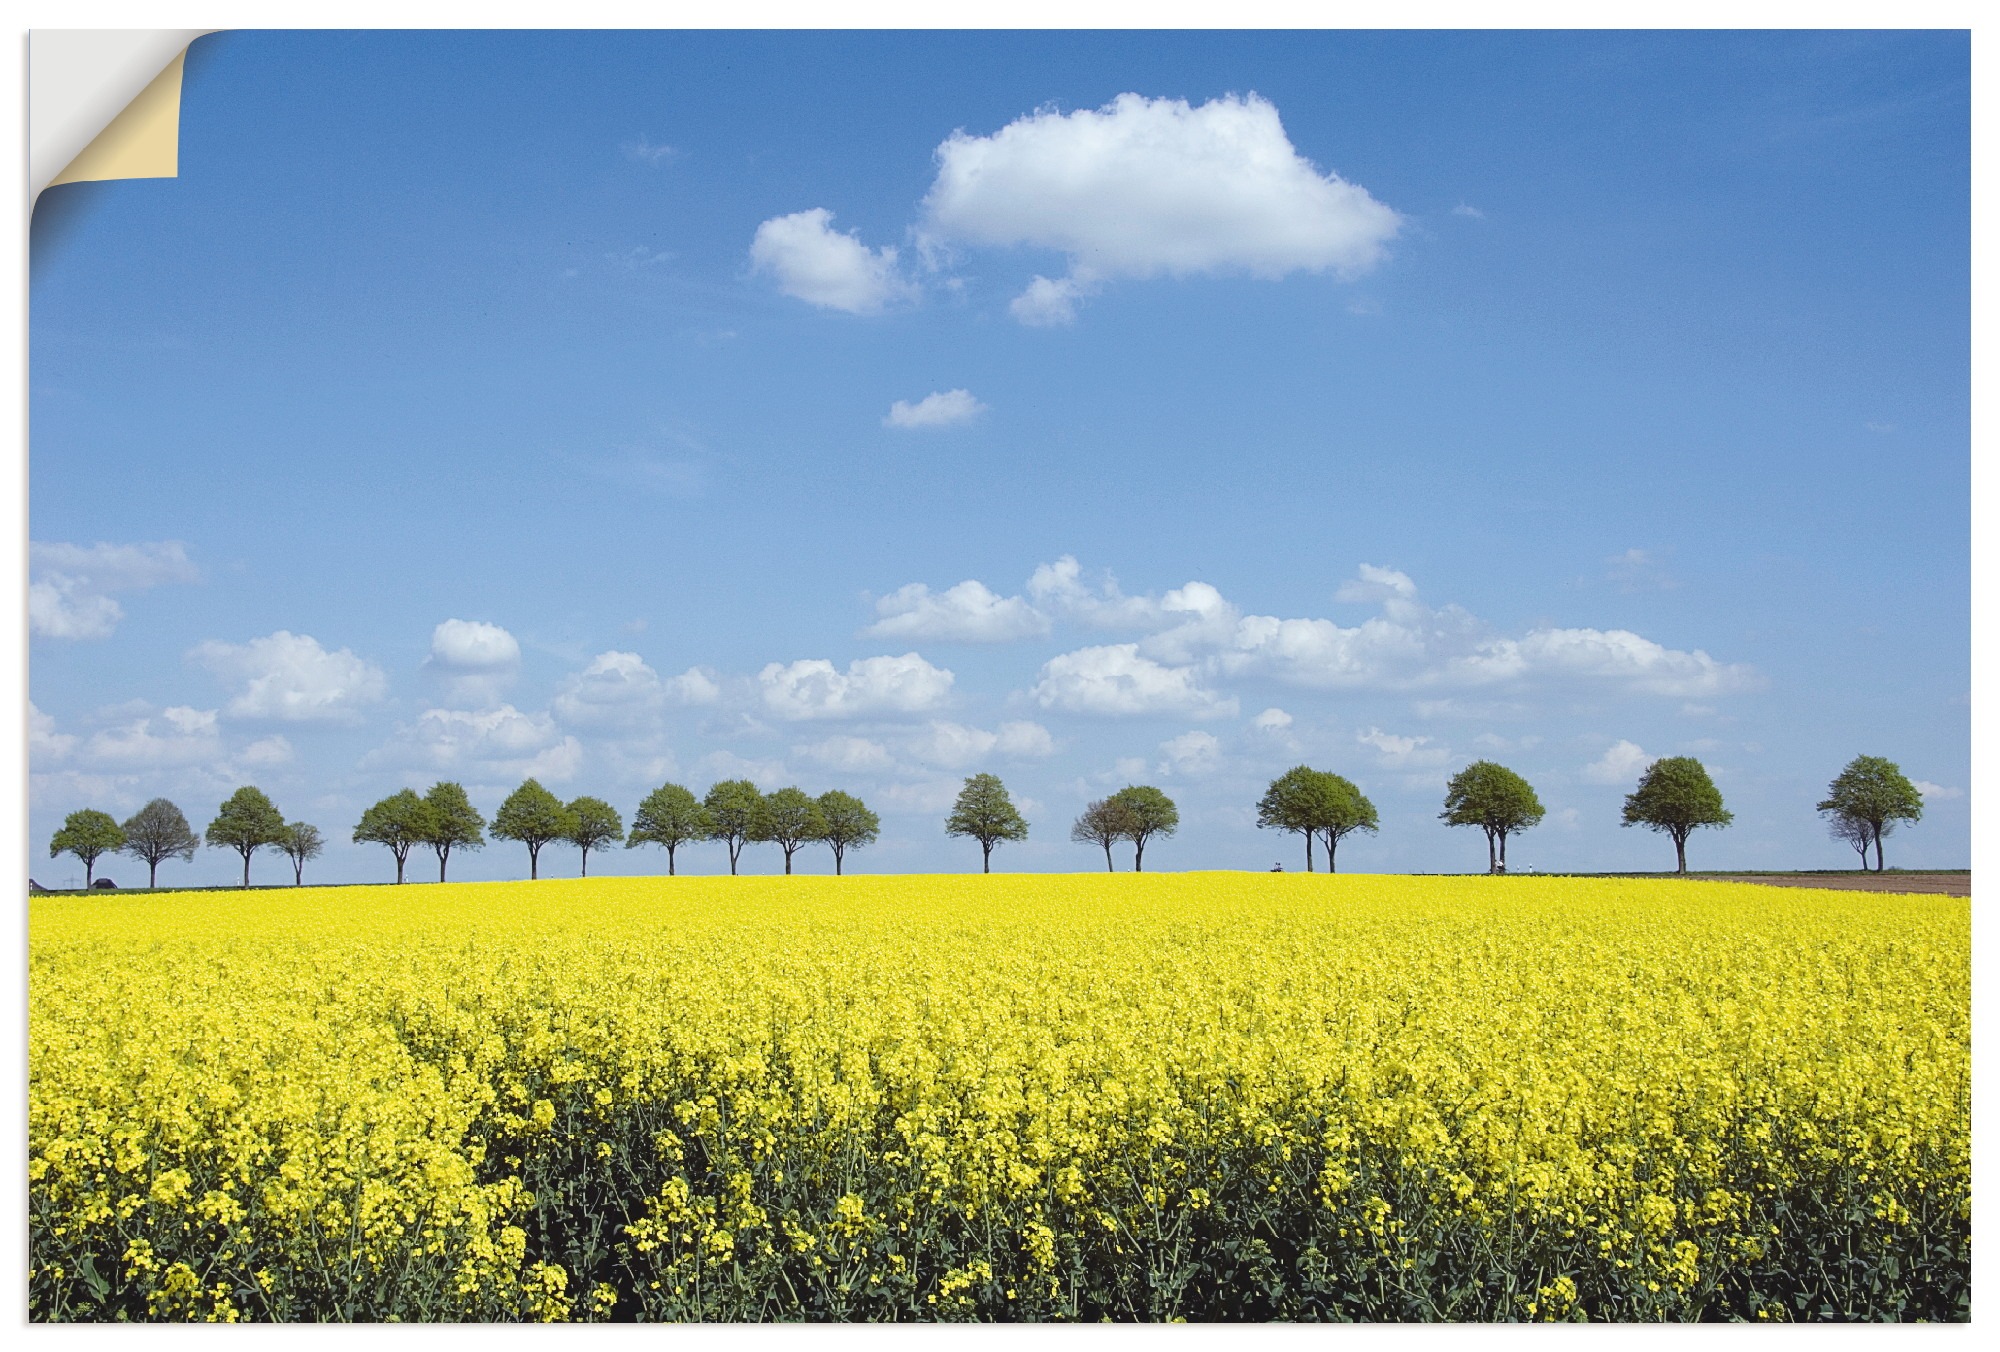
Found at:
[1935, 884]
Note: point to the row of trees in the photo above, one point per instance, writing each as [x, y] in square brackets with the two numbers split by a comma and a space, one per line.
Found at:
[1675, 796]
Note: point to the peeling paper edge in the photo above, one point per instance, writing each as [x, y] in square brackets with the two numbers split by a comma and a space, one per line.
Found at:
[104, 104]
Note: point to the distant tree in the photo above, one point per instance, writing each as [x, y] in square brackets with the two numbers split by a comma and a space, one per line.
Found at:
[1494, 799]
[399, 821]
[533, 816]
[1874, 791]
[669, 816]
[87, 834]
[732, 807]
[1148, 813]
[789, 818]
[1675, 795]
[301, 842]
[986, 814]
[158, 832]
[246, 824]
[592, 823]
[1102, 823]
[451, 821]
[1854, 833]
[847, 824]
[1288, 805]
[1338, 809]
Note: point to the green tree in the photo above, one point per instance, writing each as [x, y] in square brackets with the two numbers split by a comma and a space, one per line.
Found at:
[848, 824]
[1102, 823]
[1337, 809]
[450, 821]
[1873, 791]
[246, 824]
[87, 834]
[1148, 813]
[592, 823]
[669, 816]
[790, 818]
[1675, 795]
[1494, 799]
[533, 816]
[398, 821]
[1288, 804]
[301, 842]
[732, 807]
[157, 832]
[986, 814]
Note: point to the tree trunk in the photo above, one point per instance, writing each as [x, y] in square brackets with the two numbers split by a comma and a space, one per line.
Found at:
[670, 861]
[1138, 856]
[1878, 849]
[89, 877]
[1309, 851]
[1109, 867]
[585, 871]
[246, 868]
[1331, 842]
[1503, 851]
[788, 859]
[534, 861]
[298, 873]
[399, 869]
[152, 873]
[985, 856]
[735, 848]
[1681, 853]
[837, 852]
[443, 854]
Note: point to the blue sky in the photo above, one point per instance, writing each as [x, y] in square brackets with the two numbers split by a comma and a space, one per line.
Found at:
[868, 410]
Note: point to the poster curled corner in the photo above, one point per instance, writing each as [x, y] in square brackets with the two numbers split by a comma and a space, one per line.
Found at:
[105, 104]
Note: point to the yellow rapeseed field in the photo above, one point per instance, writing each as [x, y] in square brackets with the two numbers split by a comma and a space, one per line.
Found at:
[1206, 1095]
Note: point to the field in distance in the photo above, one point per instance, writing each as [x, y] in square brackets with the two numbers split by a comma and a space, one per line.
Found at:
[1206, 1095]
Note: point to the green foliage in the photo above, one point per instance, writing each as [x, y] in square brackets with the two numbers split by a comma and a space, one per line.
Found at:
[157, 832]
[1103, 823]
[247, 823]
[789, 818]
[450, 821]
[592, 823]
[733, 807]
[670, 816]
[1494, 799]
[87, 834]
[986, 814]
[1148, 813]
[1317, 804]
[1675, 795]
[846, 824]
[399, 821]
[533, 816]
[1872, 792]
[302, 842]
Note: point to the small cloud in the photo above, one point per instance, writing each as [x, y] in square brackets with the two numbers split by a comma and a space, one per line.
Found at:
[1191, 753]
[1881, 428]
[644, 151]
[476, 661]
[1115, 679]
[1403, 753]
[291, 677]
[1272, 720]
[814, 688]
[1930, 790]
[266, 751]
[968, 613]
[640, 256]
[942, 409]
[817, 264]
[1048, 303]
[69, 585]
[1469, 212]
[1620, 764]
[855, 755]
[1637, 570]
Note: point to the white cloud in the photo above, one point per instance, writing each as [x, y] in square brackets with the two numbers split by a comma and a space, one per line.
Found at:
[272, 750]
[1473, 213]
[694, 686]
[1403, 753]
[1638, 570]
[1144, 187]
[291, 677]
[1129, 768]
[953, 746]
[1191, 753]
[821, 266]
[1115, 679]
[1930, 790]
[46, 746]
[498, 745]
[179, 736]
[941, 409]
[767, 775]
[856, 755]
[69, 585]
[1024, 741]
[872, 685]
[1059, 588]
[1620, 764]
[967, 613]
[1272, 720]
[1050, 302]
[475, 661]
[616, 689]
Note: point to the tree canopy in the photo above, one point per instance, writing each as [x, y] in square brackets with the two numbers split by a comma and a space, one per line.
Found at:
[87, 834]
[846, 824]
[533, 816]
[733, 805]
[247, 823]
[985, 813]
[592, 823]
[1873, 792]
[1675, 795]
[302, 842]
[157, 832]
[1147, 813]
[1102, 823]
[670, 816]
[1319, 805]
[789, 818]
[1494, 799]
[450, 821]
[399, 822]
